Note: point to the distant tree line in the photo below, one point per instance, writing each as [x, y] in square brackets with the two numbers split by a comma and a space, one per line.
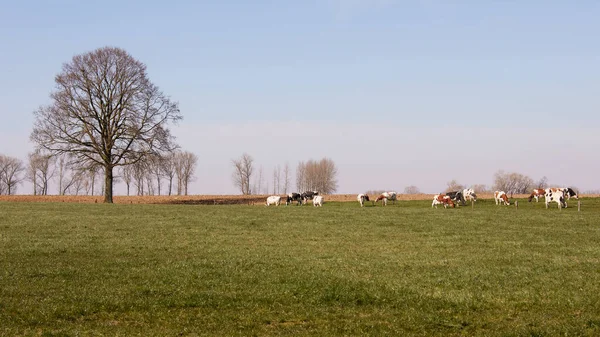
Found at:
[509, 182]
[155, 175]
[311, 175]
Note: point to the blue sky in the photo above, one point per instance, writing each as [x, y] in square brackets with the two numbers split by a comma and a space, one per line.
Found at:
[397, 93]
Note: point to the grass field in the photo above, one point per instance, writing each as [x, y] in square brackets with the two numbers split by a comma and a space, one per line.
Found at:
[164, 270]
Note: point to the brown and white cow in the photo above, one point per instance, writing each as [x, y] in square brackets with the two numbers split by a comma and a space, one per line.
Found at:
[442, 199]
[537, 193]
[501, 198]
[383, 197]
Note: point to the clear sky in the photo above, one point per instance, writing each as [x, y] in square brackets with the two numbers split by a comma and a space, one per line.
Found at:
[396, 92]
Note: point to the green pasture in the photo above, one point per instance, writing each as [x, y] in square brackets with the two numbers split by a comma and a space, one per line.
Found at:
[401, 270]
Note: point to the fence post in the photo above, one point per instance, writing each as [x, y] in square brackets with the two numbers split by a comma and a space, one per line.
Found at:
[578, 205]
[517, 204]
[472, 204]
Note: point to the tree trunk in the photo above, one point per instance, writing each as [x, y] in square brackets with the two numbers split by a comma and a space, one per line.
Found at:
[94, 182]
[108, 184]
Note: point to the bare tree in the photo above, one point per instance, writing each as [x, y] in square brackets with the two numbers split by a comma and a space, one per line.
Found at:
[31, 174]
[453, 185]
[70, 179]
[10, 174]
[75, 183]
[242, 173]
[155, 169]
[411, 190]
[61, 165]
[317, 176]
[512, 182]
[139, 175]
[89, 174]
[185, 167]
[105, 111]
[286, 177]
[542, 183]
[300, 173]
[127, 174]
[169, 169]
[277, 180]
[257, 186]
[40, 170]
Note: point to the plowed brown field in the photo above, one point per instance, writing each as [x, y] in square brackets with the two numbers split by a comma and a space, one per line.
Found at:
[204, 199]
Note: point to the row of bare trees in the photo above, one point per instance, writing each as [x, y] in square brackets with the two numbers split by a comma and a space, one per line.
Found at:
[509, 182]
[317, 176]
[75, 180]
[262, 183]
[148, 176]
[310, 176]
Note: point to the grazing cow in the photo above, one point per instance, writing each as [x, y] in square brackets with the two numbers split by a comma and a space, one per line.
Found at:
[501, 198]
[273, 200]
[569, 192]
[293, 197]
[393, 196]
[457, 196]
[555, 195]
[362, 198]
[469, 194]
[537, 193]
[318, 201]
[309, 195]
[383, 198]
[440, 199]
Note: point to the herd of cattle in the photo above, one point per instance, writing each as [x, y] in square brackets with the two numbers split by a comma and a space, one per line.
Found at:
[450, 199]
[555, 194]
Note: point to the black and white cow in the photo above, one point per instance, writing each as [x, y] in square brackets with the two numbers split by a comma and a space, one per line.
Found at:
[294, 197]
[570, 193]
[457, 196]
[555, 195]
[469, 194]
[309, 195]
[362, 198]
